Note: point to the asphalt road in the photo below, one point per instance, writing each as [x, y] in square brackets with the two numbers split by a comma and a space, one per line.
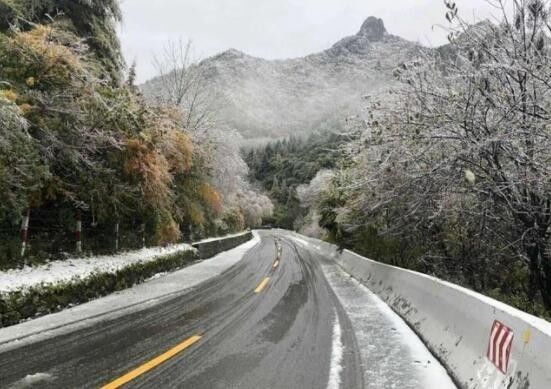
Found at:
[283, 317]
[239, 330]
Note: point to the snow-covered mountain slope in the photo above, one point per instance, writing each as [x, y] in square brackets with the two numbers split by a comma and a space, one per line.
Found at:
[273, 98]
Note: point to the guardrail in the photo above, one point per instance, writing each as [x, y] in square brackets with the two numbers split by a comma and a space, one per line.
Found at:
[482, 342]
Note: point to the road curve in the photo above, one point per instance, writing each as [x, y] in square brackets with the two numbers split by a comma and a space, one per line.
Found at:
[271, 321]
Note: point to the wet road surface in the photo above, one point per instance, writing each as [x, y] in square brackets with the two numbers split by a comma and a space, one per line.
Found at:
[267, 322]
[285, 316]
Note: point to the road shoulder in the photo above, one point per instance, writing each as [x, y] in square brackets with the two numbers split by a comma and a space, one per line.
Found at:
[392, 354]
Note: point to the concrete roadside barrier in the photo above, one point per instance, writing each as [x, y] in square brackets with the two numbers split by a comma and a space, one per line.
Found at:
[482, 342]
[210, 247]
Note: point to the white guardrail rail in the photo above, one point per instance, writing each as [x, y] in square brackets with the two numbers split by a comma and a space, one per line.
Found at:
[482, 342]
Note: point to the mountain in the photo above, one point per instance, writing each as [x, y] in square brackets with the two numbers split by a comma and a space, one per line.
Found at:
[275, 98]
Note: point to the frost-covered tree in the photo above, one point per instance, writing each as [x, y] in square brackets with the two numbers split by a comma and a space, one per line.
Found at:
[229, 174]
[182, 83]
[311, 197]
[462, 151]
[93, 21]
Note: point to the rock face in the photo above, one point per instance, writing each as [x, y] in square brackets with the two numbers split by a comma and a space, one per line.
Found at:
[271, 99]
[373, 29]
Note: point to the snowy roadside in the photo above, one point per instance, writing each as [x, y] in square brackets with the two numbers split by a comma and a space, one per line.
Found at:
[80, 268]
[392, 354]
[133, 299]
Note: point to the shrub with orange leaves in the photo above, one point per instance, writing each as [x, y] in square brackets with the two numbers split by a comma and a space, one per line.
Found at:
[8, 95]
[151, 168]
[53, 55]
[174, 143]
[211, 197]
[167, 231]
[196, 214]
[178, 150]
[234, 219]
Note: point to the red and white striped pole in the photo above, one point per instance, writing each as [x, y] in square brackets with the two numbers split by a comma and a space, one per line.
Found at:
[117, 237]
[78, 231]
[25, 231]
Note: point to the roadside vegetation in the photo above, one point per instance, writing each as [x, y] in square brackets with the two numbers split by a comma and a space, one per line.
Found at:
[39, 300]
[48, 295]
[79, 141]
[450, 172]
[279, 168]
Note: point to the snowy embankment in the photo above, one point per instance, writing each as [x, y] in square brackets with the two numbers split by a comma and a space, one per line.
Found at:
[74, 269]
[36, 291]
[132, 299]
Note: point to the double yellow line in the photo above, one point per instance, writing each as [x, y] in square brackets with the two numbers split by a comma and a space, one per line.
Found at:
[277, 261]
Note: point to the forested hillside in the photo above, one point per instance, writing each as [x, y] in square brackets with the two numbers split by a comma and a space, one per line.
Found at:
[450, 171]
[80, 148]
[281, 167]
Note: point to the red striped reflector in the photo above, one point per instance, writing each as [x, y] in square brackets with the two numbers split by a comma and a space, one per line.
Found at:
[499, 347]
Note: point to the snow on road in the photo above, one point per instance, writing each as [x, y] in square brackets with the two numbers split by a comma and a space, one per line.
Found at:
[33, 381]
[80, 268]
[336, 356]
[301, 241]
[392, 354]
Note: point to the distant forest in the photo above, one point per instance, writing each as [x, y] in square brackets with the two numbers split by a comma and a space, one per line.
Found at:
[282, 166]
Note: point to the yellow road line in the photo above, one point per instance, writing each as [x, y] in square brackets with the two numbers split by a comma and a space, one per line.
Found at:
[151, 364]
[276, 263]
[262, 285]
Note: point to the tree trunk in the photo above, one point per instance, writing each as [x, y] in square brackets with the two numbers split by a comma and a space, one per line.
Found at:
[545, 283]
[540, 269]
[534, 269]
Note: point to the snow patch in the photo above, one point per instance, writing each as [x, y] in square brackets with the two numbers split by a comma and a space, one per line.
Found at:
[33, 379]
[336, 356]
[392, 355]
[80, 268]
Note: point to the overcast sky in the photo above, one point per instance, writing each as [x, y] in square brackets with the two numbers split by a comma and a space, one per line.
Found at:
[274, 28]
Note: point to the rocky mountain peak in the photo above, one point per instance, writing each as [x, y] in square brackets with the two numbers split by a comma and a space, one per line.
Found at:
[232, 54]
[373, 29]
